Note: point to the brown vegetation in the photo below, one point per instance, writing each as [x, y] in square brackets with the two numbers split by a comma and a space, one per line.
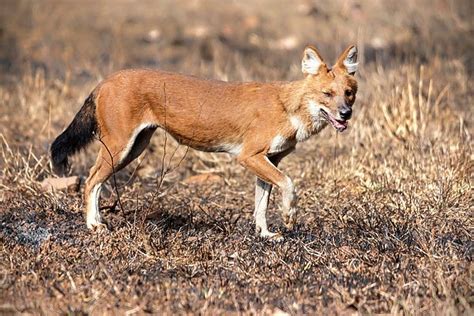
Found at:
[386, 206]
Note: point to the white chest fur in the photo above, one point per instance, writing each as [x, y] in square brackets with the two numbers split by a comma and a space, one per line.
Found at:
[318, 123]
[279, 143]
[303, 132]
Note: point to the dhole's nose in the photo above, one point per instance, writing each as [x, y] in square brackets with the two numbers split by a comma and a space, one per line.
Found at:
[345, 113]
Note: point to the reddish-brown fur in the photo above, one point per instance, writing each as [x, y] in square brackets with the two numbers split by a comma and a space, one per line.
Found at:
[213, 115]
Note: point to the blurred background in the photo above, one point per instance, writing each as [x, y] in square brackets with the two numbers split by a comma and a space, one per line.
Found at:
[386, 207]
[84, 39]
[73, 44]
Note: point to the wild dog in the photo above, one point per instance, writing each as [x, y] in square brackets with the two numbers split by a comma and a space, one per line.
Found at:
[258, 123]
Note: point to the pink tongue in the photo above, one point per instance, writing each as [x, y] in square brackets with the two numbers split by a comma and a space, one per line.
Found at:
[339, 125]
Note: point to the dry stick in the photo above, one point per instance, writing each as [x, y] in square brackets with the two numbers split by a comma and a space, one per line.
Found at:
[171, 158]
[114, 178]
[163, 156]
[170, 169]
[134, 171]
[187, 146]
[334, 159]
[165, 171]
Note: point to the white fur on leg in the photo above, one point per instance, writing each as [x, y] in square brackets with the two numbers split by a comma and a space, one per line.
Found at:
[289, 202]
[288, 191]
[93, 215]
[289, 218]
[262, 195]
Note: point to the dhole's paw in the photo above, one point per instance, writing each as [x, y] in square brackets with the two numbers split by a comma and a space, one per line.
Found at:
[272, 236]
[98, 227]
[289, 220]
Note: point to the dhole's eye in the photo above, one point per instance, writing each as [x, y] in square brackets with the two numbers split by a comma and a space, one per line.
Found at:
[348, 93]
[327, 94]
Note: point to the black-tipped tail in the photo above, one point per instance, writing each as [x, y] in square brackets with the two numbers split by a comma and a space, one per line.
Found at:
[77, 135]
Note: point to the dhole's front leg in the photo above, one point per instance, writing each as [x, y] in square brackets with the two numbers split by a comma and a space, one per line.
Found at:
[268, 174]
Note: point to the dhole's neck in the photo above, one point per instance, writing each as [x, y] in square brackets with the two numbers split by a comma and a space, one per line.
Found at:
[291, 95]
[302, 112]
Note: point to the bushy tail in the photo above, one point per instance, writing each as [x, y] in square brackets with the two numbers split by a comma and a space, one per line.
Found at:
[77, 135]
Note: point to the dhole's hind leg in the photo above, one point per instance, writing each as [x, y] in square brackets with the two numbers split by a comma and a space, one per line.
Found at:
[111, 159]
[99, 173]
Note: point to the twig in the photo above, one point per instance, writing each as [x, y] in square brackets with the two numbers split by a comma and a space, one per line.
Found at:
[114, 178]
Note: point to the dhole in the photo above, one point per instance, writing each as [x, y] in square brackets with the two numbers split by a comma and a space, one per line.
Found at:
[259, 123]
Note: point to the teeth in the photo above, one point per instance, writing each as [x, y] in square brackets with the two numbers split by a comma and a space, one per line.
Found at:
[340, 125]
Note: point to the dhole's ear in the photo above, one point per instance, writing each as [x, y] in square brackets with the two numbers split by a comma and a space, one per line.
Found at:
[312, 61]
[348, 60]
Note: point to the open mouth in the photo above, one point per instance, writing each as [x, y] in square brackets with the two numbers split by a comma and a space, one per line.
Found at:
[339, 125]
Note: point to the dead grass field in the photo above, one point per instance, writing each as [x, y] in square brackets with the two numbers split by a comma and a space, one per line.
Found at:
[386, 207]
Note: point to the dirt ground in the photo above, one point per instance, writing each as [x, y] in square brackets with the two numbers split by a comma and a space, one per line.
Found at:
[386, 222]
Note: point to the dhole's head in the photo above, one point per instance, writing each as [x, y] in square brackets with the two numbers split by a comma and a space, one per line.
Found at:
[330, 92]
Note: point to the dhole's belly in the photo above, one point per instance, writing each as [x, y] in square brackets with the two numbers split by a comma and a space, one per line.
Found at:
[218, 136]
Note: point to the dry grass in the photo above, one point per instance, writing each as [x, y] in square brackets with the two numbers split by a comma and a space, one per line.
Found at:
[386, 224]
